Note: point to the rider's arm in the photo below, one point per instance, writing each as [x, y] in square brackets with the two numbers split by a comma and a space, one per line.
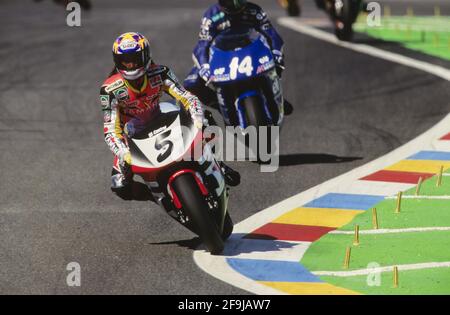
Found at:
[111, 122]
[189, 101]
[205, 37]
[266, 28]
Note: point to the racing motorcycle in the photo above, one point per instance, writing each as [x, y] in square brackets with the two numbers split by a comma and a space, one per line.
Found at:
[185, 179]
[291, 6]
[343, 14]
[243, 73]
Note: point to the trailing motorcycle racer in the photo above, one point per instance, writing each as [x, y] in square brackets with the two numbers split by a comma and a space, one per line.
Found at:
[130, 97]
[220, 17]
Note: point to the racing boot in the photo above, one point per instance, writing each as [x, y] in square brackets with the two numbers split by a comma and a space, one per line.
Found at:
[122, 181]
[288, 108]
[209, 117]
[232, 177]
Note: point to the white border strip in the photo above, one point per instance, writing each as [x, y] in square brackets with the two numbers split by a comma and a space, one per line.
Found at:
[388, 231]
[363, 272]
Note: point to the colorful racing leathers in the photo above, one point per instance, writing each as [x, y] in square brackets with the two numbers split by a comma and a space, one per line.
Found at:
[125, 109]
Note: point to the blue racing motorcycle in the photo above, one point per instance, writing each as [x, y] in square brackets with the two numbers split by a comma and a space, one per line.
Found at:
[244, 76]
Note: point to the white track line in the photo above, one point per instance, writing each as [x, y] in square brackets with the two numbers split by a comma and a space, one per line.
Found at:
[363, 272]
[296, 25]
[388, 231]
[420, 197]
[217, 266]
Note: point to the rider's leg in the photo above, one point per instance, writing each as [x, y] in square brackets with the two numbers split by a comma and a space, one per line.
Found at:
[122, 180]
[232, 177]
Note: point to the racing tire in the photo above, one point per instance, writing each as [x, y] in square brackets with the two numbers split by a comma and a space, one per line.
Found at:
[293, 9]
[197, 210]
[255, 115]
[227, 227]
[348, 17]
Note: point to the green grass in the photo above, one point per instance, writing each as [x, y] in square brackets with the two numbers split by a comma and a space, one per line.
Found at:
[327, 254]
[384, 249]
[429, 35]
[423, 282]
[414, 212]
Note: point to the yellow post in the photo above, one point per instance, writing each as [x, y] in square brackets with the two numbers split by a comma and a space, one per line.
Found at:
[395, 277]
[436, 40]
[439, 178]
[356, 237]
[419, 183]
[387, 11]
[374, 218]
[410, 11]
[437, 11]
[399, 202]
[347, 258]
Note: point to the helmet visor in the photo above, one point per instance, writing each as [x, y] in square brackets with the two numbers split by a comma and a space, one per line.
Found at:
[232, 6]
[129, 61]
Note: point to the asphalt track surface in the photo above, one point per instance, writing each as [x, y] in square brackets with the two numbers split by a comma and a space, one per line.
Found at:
[55, 202]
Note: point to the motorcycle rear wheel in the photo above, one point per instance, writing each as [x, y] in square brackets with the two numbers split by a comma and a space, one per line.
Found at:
[197, 210]
[348, 17]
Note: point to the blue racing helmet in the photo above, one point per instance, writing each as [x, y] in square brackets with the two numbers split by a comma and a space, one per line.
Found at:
[232, 6]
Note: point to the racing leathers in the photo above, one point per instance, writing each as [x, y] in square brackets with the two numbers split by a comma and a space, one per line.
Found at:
[126, 110]
[215, 21]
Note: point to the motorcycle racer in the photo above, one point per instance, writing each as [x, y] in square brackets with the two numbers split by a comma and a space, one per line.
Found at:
[130, 99]
[220, 17]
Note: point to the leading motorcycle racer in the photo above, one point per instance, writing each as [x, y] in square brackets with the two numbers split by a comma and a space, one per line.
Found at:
[219, 17]
[130, 97]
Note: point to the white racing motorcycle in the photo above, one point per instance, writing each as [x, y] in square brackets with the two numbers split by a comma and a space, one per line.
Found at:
[183, 175]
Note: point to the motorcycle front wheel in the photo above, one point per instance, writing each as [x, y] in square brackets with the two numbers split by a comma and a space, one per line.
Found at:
[256, 116]
[197, 210]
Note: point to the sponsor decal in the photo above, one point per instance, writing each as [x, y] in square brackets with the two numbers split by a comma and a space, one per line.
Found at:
[157, 131]
[264, 60]
[219, 71]
[126, 45]
[222, 77]
[265, 67]
[104, 100]
[155, 81]
[217, 17]
[121, 94]
[172, 76]
[107, 116]
[204, 29]
[224, 25]
[114, 85]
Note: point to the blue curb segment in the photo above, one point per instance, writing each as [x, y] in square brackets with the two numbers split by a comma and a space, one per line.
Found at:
[272, 270]
[345, 201]
[431, 155]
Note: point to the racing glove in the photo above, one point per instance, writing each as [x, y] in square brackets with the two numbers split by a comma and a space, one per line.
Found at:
[124, 156]
[205, 72]
[279, 61]
[200, 121]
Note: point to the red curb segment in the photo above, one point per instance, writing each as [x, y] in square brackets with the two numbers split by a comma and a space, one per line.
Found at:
[397, 176]
[289, 232]
[446, 137]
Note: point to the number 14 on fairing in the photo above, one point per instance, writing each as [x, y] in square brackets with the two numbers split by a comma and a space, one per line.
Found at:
[244, 67]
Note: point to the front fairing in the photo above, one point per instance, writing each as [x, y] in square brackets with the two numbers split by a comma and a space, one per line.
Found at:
[251, 59]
